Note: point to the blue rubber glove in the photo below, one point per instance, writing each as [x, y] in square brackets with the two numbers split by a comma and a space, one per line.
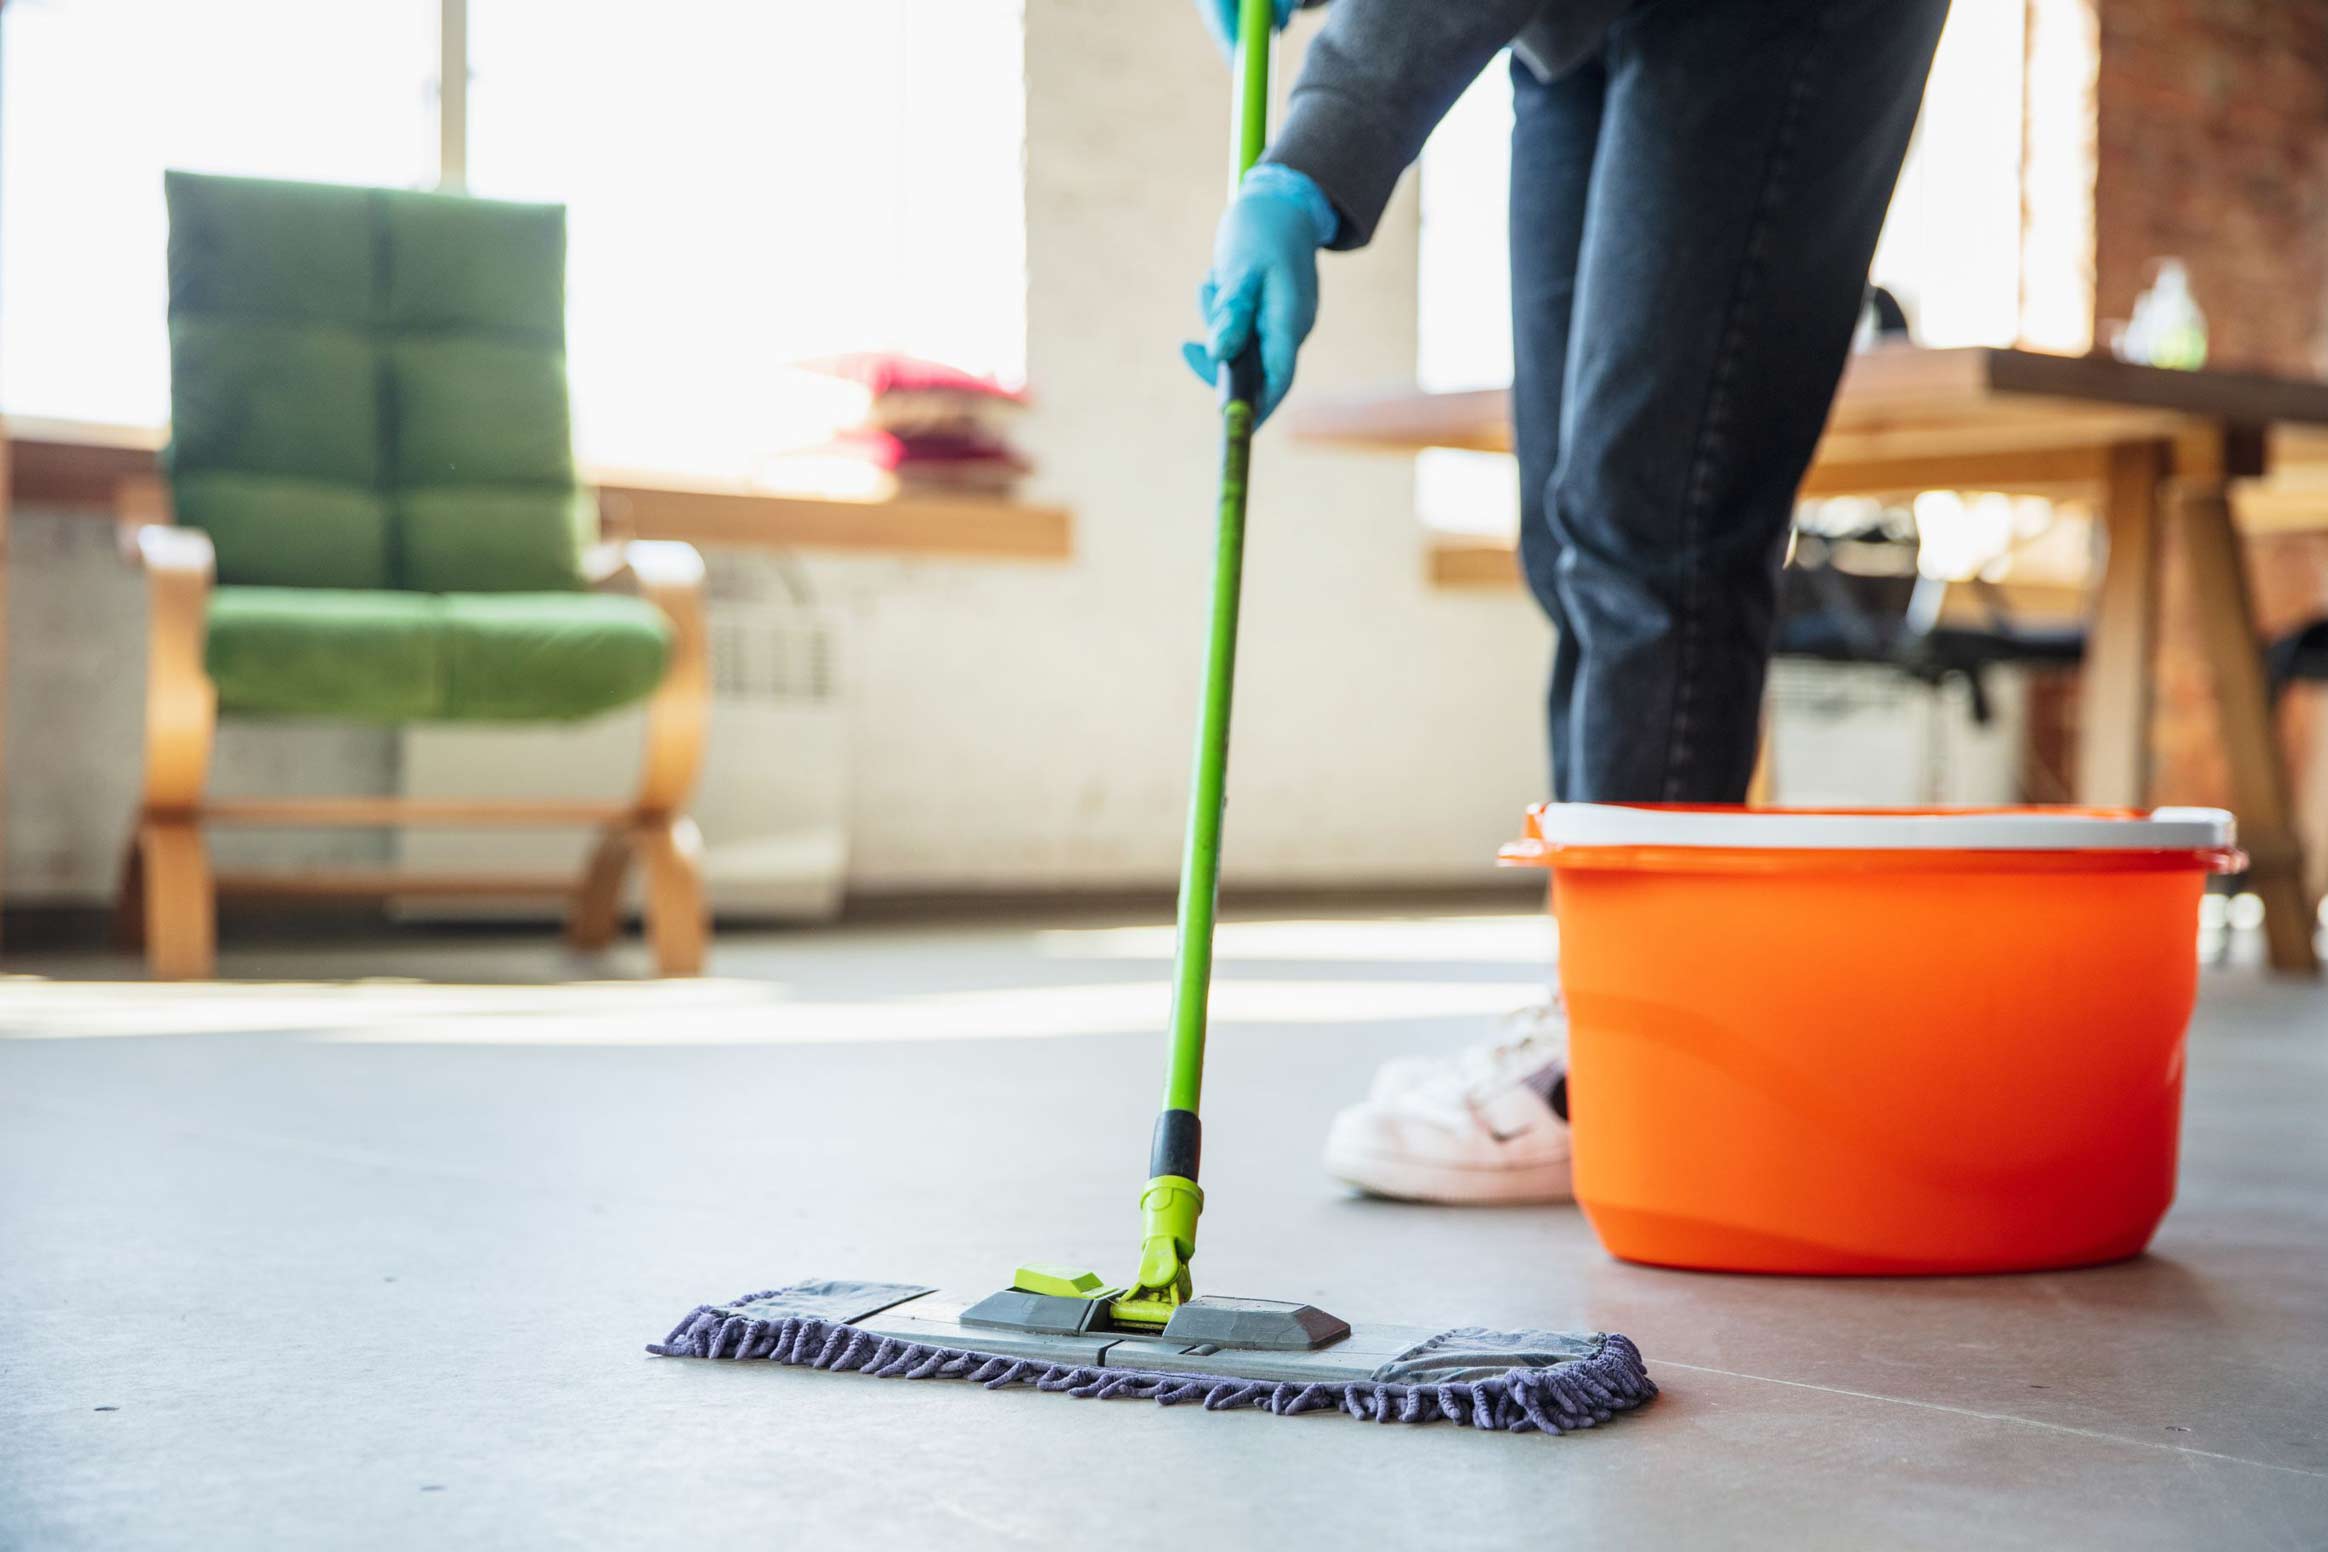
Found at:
[1263, 287]
[1220, 19]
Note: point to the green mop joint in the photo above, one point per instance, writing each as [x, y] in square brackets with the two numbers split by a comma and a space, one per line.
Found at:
[1168, 1210]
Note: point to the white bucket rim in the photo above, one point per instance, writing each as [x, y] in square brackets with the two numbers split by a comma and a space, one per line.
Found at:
[1591, 825]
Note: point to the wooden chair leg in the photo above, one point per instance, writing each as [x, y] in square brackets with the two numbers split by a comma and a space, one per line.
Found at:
[181, 912]
[168, 881]
[597, 913]
[2259, 780]
[670, 849]
[678, 925]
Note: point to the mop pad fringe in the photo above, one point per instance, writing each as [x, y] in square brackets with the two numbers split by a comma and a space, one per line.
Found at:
[1556, 1399]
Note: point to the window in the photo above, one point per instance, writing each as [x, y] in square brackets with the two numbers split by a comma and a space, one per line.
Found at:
[752, 185]
[1952, 245]
[1464, 309]
[97, 97]
[747, 186]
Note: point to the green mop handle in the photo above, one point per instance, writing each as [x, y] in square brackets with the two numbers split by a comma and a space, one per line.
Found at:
[1170, 1205]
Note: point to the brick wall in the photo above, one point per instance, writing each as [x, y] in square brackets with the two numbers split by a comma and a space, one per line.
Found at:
[2212, 145]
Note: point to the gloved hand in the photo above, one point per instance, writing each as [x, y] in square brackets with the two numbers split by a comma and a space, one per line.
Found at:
[1220, 19]
[1263, 287]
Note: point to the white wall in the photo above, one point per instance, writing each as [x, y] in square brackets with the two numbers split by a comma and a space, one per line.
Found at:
[1032, 725]
[1025, 725]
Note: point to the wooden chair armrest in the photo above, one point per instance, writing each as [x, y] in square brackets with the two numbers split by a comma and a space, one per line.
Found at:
[180, 563]
[644, 566]
[181, 704]
[174, 558]
[139, 501]
[668, 574]
[606, 567]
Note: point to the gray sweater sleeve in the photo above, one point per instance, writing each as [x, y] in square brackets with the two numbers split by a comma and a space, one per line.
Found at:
[1379, 77]
[1377, 82]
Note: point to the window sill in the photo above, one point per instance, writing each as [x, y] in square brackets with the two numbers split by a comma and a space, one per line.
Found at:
[77, 466]
[1471, 561]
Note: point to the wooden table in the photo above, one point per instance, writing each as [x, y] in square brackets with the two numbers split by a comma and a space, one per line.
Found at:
[2160, 451]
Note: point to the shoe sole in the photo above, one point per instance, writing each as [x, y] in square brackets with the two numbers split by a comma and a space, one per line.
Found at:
[1452, 1185]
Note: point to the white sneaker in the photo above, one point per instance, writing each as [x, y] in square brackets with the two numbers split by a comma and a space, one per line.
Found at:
[1533, 1038]
[1478, 1127]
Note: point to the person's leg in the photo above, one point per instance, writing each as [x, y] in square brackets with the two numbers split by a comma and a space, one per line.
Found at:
[1744, 154]
[1484, 1127]
[1555, 129]
[1748, 150]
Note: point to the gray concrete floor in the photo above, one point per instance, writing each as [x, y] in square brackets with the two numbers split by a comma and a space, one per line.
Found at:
[370, 1265]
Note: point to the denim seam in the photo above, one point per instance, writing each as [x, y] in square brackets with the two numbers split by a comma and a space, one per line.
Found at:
[1679, 749]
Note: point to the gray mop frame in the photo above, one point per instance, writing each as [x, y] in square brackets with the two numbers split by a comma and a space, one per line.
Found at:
[1462, 1375]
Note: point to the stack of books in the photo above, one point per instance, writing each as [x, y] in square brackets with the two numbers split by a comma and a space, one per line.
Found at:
[930, 427]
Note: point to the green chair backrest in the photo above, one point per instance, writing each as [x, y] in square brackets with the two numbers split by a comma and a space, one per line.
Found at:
[368, 387]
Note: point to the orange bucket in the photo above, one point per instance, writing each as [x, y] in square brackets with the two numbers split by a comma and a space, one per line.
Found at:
[1876, 1041]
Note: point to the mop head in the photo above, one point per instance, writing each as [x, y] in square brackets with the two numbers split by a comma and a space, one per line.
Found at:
[1507, 1381]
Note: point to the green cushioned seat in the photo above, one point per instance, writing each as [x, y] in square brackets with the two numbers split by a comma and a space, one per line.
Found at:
[515, 655]
[381, 655]
[370, 419]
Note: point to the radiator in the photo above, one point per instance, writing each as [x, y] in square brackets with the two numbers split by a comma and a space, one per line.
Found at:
[1848, 734]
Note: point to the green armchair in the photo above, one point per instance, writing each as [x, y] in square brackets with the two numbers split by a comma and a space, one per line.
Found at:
[371, 458]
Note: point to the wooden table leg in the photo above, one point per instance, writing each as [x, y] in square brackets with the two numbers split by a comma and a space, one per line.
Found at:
[1763, 784]
[2259, 779]
[2312, 822]
[2113, 755]
[4, 478]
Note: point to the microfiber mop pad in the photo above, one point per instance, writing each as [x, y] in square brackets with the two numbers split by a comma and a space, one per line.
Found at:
[1511, 1381]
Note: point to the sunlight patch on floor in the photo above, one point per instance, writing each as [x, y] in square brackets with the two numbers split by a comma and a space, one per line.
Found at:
[687, 1013]
[1470, 940]
[32, 1008]
[1012, 1013]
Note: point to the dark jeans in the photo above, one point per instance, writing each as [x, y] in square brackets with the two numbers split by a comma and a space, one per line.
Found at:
[1693, 213]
